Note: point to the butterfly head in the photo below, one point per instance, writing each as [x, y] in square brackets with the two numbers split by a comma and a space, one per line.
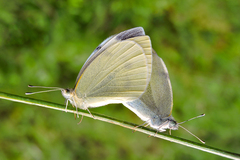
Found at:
[68, 94]
[161, 124]
[172, 124]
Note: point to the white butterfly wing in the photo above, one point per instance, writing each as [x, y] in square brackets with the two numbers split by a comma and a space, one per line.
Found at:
[143, 41]
[157, 100]
[161, 88]
[119, 74]
[134, 32]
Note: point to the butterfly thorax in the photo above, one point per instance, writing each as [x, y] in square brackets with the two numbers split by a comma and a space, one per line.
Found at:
[161, 124]
[71, 96]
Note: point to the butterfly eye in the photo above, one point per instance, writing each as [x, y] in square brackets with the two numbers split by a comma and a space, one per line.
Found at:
[173, 124]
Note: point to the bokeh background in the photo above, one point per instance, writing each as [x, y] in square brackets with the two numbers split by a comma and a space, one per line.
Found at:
[47, 42]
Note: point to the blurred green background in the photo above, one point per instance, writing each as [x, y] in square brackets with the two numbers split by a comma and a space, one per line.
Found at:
[47, 42]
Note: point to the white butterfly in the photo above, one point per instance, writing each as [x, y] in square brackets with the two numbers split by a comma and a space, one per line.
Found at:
[118, 71]
[155, 105]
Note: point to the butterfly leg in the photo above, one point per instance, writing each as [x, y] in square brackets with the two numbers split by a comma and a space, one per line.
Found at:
[146, 125]
[66, 105]
[158, 129]
[134, 129]
[80, 120]
[154, 134]
[90, 113]
[77, 113]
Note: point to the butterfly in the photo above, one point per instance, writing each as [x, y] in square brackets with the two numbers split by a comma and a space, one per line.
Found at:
[117, 71]
[155, 105]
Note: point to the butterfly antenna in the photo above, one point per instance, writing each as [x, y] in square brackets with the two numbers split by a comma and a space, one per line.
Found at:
[192, 118]
[192, 134]
[31, 86]
[51, 89]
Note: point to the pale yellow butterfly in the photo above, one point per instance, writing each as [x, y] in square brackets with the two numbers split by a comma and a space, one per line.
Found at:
[118, 71]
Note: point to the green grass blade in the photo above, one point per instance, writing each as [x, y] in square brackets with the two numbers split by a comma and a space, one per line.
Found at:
[129, 125]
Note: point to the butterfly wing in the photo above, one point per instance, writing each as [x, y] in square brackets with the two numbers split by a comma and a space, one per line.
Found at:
[143, 41]
[134, 32]
[161, 89]
[120, 73]
[157, 100]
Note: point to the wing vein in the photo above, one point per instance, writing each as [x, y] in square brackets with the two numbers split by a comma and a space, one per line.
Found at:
[112, 80]
[112, 71]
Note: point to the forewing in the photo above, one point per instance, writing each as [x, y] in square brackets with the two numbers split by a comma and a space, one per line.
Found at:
[143, 41]
[134, 32]
[118, 74]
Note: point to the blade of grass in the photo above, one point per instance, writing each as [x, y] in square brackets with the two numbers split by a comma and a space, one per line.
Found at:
[129, 125]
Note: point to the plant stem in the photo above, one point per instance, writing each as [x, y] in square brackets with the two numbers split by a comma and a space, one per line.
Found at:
[129, 125]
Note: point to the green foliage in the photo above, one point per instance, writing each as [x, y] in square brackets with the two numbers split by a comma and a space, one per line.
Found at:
[47, 42]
